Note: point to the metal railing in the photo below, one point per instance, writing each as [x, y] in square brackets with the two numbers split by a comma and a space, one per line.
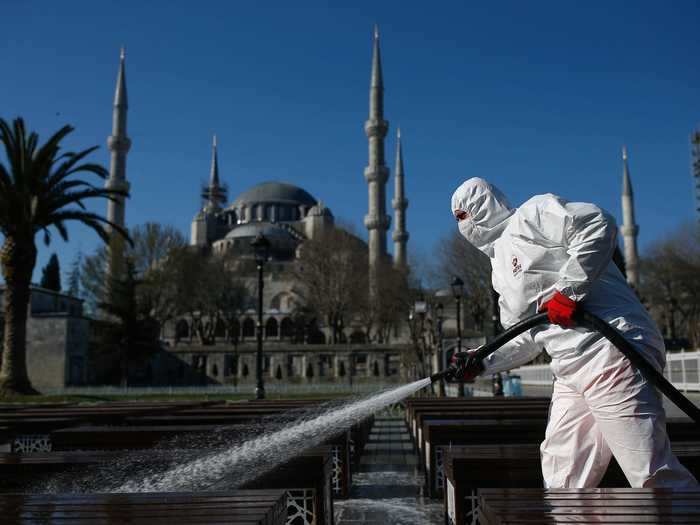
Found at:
[682, 370]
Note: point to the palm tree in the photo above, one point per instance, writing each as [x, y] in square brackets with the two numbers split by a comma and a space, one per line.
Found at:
[38, 190]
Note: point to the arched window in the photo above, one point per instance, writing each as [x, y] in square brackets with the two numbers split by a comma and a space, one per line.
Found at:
[214, 370]
[271, 327]
[234, 330]
[287, 327]
[248, 328]
[182, 329]
[357, 338]
[220, 330]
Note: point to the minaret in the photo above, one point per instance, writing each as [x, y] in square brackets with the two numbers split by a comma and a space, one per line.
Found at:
[376, 173]
[214, 195]
[629, 229]
[118, 144]
[399, 203]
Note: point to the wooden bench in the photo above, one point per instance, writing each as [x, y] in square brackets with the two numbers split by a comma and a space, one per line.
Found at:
[442, 434]
[308, 481]
[468, 469]
[244, 507]
[505, 412]
[183, 436]
[600, 506]
[19, 471]
[28, 428]
[438, 434]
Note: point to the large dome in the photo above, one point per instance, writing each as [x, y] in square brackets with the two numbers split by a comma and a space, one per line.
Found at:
[274, 192]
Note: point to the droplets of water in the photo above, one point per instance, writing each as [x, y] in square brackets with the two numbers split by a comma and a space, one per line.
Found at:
[228, 458]
[248, 460]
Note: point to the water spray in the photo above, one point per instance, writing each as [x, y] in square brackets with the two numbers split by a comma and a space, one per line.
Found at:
[587, 320]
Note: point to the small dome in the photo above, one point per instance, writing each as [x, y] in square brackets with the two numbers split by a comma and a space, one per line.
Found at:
[251, 229]
[274, 192]
[320, 210]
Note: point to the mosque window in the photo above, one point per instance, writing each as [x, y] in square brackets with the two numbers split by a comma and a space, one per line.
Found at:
[248, 328]
[182, 329]
[287, 327]
[220, 329]
[271, 327]
[234, 330]
[358, 338]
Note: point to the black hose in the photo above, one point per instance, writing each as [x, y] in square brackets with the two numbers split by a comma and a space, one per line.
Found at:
[611, 334]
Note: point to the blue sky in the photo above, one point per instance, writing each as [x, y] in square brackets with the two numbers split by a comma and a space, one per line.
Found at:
[535, 96]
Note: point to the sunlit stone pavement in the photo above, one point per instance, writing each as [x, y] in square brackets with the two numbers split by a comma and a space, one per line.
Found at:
[387, 488]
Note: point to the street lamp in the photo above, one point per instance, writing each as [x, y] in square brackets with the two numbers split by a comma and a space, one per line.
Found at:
[440, 317]
[457, 291]
[261, 249]
[420, 308]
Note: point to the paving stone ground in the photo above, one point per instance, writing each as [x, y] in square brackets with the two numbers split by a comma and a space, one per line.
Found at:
[387, 489]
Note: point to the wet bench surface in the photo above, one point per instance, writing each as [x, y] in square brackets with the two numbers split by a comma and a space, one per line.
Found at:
[245, 507]
[468, 469]
[131, 426]
[600, 506]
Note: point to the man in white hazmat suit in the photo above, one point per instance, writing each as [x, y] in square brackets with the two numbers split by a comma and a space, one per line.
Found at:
[554, 255]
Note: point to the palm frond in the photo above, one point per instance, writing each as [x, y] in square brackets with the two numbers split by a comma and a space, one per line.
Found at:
[92, 220]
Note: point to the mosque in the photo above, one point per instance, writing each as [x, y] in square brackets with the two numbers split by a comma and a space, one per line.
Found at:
[288, 216]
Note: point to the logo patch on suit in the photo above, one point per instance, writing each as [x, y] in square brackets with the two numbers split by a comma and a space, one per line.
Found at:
[517, 267]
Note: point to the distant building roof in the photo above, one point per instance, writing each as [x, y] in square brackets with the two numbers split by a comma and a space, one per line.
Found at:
[280, 192]
[269, 230]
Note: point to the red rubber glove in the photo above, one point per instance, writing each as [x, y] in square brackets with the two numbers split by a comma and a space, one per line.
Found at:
[560, 310]
[466, 367]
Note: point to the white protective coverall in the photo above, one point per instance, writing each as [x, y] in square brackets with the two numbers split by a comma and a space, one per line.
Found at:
[601, 405]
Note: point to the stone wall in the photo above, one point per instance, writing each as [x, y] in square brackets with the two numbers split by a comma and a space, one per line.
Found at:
[310, 364]
[56, 351]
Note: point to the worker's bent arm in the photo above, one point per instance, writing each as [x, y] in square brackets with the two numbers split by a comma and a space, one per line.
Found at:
[517, 352]
[590, 234]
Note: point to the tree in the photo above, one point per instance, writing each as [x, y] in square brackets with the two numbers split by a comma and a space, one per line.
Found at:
[51, 275]
[219, 296]
[152, 244]
[74, 288]
[458, 257]
[331, 286]
[132, 331]
[670, 284]
[386, 309]
[38, 191]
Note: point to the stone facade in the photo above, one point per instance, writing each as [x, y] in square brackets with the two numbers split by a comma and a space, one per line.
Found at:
[57, 340]
[283, 362]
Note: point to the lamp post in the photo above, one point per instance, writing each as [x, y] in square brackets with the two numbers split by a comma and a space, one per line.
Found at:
[261, 248]
[457, 292]
[420, 308]
[440, 317]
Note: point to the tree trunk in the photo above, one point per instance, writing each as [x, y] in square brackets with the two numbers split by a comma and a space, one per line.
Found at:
[18, 257]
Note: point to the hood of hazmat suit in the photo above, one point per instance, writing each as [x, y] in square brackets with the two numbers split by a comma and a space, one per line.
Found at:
[549, 244]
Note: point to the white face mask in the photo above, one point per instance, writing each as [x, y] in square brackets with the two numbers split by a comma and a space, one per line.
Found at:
[488, 212]
[466, 227]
